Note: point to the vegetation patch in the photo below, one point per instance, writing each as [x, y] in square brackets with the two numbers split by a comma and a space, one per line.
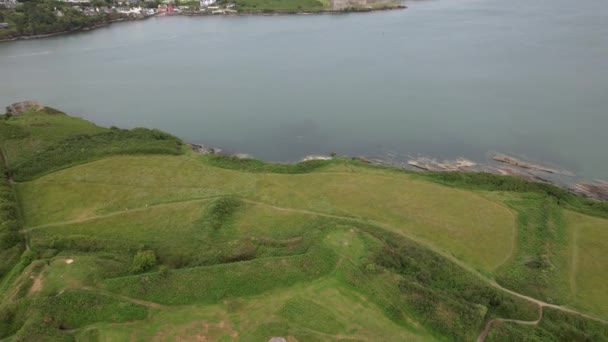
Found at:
[555, 326]
[541, 266]
[181, 246]
[214, 283]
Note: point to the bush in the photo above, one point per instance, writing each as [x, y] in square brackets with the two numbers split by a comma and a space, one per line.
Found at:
[143, 261]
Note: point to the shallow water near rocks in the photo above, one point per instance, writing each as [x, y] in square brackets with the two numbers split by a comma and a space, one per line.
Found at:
[443, 78]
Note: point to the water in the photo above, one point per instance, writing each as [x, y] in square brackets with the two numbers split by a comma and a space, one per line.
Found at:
[444, 78]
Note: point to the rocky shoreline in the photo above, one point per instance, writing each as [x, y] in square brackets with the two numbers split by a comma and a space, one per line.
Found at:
[506, 166]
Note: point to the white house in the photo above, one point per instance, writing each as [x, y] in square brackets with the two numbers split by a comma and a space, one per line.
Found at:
[8, 3]
[206, 3]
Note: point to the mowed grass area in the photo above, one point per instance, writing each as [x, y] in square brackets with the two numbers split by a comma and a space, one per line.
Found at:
[462, 223]
[589, 263]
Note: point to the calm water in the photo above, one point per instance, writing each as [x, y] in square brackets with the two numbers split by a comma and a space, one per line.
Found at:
[444, 78]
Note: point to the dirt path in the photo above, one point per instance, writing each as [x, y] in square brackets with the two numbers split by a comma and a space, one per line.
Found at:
[541, 304]
[125, 298]
[115, 213]
[488, 326]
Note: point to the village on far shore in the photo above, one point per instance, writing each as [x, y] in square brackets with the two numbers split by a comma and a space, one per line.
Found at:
[136, 8]
[21, 19]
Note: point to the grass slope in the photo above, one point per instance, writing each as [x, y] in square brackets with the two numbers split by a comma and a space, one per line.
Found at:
[173, 245]
[443, 216]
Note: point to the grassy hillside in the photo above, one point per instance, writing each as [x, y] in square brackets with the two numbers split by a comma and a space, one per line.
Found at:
[157, 242]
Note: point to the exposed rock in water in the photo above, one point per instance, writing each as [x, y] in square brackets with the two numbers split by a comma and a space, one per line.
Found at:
[598, 190]
[503, 158]
[362, 159]
[509, 171]
[205, 150]
[429, 164]
[309, 158]
[22, 107]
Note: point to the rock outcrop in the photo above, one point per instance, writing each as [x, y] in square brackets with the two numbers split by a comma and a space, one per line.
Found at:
[22, 107]
[523, 164]
[598, 190]
[205, 150]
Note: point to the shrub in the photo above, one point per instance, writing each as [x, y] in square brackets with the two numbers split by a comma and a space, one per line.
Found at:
[143, 261]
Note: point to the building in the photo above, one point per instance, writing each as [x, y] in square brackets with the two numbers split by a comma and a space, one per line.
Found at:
[207, 3]
[3, 25]
[8, 3]
[77, 1]
[128, 10]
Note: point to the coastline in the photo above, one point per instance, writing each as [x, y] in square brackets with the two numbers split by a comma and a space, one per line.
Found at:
[535, 172]
[82, 29]
[204, 14]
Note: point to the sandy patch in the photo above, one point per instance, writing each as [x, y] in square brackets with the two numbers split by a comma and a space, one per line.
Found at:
[36, 284]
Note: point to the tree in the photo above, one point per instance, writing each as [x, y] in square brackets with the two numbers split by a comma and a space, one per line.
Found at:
[143, 261]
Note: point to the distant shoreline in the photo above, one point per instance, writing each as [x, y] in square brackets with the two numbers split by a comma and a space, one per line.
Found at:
[203, 14]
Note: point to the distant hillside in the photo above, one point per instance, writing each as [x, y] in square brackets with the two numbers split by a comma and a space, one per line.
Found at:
[120, 235]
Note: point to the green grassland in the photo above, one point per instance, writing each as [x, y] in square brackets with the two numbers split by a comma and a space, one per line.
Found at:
[116, 235]
[281, 5]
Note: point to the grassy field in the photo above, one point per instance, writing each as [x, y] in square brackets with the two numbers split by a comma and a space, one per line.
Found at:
[280, 5]
[589, 265]
[436, 214]
[158, 243]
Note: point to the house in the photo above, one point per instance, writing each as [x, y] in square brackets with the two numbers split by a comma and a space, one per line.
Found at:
[129, 10]
[206, 3]
[8, 3]
[77, 1]
[3, 25]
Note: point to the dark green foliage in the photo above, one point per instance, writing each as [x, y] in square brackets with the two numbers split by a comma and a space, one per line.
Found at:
[11, 241]
[445, 298]
[39, 17]
[555, 326]
[212, 284]
[219, 212]
[82, 148]
[254, 165]
[143, 261]
[81, 243]
[46, 318]
[66, 309]
[541, 259]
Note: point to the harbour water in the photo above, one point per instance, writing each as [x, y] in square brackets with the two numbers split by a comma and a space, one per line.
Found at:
[443, 78]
